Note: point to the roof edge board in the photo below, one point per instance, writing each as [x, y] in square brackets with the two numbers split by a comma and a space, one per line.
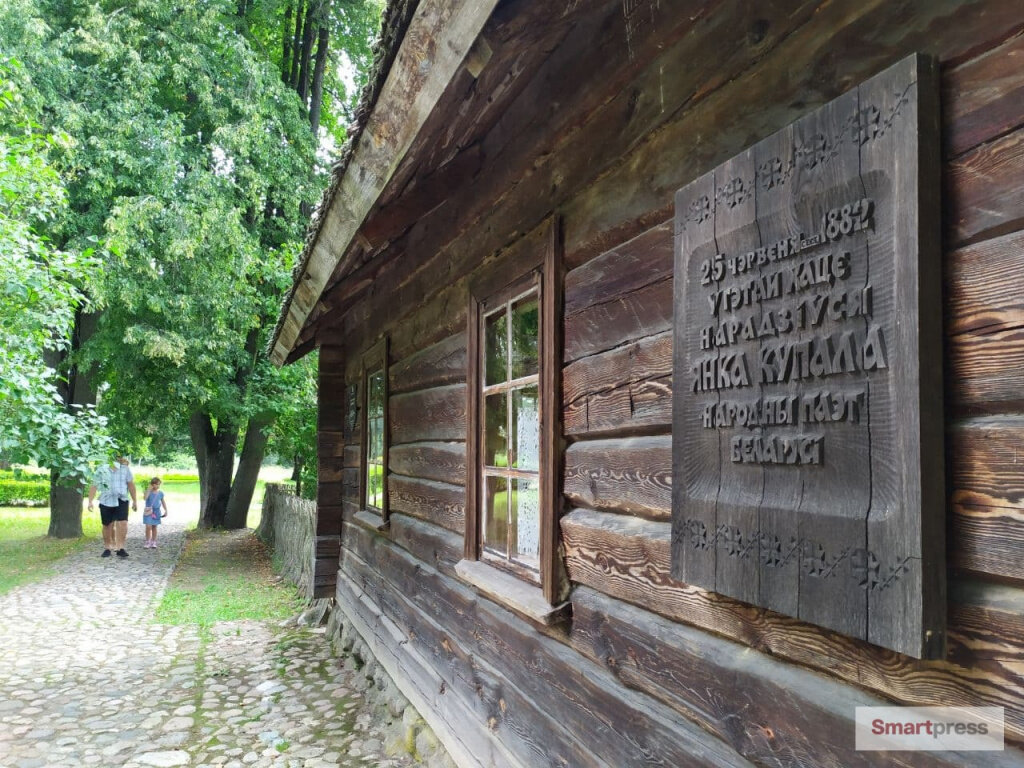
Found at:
[434, 47]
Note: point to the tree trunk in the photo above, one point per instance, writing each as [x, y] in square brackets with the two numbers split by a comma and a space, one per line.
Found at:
[286, 44]
[65, 509]
[75, 389]
[312, 17]
[297, 474]
[316, 96]
[215, 458]
[248, 471]
[293, 74]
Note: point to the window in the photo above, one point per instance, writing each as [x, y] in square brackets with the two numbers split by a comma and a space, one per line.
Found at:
[374, 460]
[513, 496]
[374, 480]
[510, 530]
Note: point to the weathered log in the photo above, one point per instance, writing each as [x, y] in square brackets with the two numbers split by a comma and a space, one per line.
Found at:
[621, 726]
[984, 196]
[436, 365]
[981, 293]
[988, 540]
[429, 414]
[607, 324]
[628, 558]
[791, 716]
[632, 475]
[627, 388]
[982, 97]
[445, 462]
[438, 503]
[986, 466]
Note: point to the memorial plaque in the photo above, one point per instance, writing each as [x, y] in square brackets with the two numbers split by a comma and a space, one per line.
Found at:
[808, 471]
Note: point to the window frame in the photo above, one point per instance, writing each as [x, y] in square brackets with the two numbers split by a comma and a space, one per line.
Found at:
[374, 360]
[527, 285]
[545, 272]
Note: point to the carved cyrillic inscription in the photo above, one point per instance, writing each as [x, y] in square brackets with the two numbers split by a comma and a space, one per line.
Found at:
[803, 363]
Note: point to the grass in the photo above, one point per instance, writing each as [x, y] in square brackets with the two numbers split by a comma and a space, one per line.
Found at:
[225, 576]
[26, 553]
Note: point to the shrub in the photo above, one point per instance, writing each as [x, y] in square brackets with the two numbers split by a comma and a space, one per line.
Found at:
[17, 473]
[172, 477]
[24, 493]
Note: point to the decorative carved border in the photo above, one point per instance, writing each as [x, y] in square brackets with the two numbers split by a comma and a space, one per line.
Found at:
[777, 552]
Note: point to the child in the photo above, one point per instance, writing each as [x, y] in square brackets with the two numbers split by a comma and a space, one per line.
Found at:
[151, 516]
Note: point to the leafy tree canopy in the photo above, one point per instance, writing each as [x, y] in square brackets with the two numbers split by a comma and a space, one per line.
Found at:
[41, 288]
[193, 164]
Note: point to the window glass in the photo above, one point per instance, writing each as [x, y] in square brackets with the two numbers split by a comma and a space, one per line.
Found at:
[375, 440]
[496, 424]
[495, 528]
[525, 452]
[510, 514]
[496, 348]
[524, 504]
[525, 321]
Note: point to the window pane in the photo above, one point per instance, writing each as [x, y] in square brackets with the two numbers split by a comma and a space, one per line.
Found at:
[496, 438]
[495, 349]
[525, 333]
[496, 514]
[525, 514]
[375, 485]
[525, 453]
[375, 440]
[375, 395]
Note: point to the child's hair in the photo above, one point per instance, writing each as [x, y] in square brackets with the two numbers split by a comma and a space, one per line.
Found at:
[155, 481]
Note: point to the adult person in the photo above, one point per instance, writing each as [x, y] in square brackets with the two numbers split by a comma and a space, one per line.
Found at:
[115, 483]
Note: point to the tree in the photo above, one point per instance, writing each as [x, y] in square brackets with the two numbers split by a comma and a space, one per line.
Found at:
[191, 165]
[322, 49]
[42, 298]
[293, 436]
[198, 262]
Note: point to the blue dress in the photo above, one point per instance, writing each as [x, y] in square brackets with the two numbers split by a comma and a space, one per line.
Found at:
[151, 515]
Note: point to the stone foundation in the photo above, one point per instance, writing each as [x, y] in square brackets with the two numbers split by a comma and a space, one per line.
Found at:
[406, 733]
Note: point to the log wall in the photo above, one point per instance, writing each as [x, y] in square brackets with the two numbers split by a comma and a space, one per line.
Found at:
[649, 670]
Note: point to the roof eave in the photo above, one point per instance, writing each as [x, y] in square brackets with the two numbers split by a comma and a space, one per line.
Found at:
[434, 47]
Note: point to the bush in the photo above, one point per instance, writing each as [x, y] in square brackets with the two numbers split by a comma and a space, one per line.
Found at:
[24, 493]
[17, 473]
[172, 477]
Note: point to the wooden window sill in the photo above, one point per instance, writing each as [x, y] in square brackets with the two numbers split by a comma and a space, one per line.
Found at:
[373, 521]
[518, 596]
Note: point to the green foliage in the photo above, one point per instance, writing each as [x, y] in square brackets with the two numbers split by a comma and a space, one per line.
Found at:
[352, 26]
[169, 189]
[24, 493]
[18, 473]
[201, 232]
[175, 477]
[41, 288]
[293, 437]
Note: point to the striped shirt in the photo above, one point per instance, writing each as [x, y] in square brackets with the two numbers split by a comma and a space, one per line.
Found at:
[112, 484]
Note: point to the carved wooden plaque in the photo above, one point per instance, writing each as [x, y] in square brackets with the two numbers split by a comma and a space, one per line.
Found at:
[808, 471]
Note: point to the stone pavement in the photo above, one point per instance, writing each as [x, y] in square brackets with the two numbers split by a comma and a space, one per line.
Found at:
[86, 679]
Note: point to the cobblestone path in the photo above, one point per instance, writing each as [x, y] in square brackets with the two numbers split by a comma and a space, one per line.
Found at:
[86, 679]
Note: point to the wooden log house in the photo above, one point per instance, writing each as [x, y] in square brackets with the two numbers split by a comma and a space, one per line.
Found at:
[490, 283]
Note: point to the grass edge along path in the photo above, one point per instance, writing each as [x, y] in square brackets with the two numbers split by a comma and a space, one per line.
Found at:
[27, 554]
[225, 576]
